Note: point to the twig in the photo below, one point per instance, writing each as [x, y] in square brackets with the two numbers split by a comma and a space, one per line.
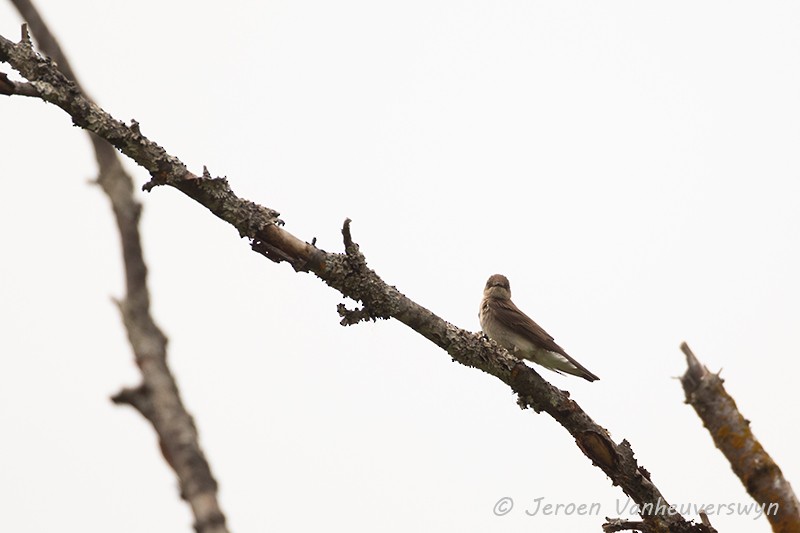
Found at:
[11, 88]
[613, 525]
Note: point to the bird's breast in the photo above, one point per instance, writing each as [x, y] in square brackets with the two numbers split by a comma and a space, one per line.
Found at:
[503, 334]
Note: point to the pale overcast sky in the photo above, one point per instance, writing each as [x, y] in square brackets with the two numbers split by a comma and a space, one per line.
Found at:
[630, 166]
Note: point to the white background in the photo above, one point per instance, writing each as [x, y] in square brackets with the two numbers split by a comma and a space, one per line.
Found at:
[631, 166]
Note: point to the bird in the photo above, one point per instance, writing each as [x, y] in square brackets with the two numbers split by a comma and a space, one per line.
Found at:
[504, 323]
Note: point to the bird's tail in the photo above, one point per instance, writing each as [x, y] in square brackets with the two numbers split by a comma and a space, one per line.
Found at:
[565, 364]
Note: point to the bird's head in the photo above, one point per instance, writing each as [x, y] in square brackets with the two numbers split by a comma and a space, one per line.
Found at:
[497, 286]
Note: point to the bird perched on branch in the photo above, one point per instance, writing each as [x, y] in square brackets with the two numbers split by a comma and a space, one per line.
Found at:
[504, 323]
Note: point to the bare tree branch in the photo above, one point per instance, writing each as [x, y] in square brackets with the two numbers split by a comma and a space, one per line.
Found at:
[349, 274]
[157, 398]
[731, 432]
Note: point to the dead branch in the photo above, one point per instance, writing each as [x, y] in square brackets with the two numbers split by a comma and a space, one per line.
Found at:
[157, 398]
[349, 274]
[731, 432]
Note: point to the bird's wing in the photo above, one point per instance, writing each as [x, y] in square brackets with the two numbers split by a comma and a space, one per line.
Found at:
[508, 313]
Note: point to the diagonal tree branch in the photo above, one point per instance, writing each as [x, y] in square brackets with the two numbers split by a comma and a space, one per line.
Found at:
[731, 432]
[349, 274]
[157, 398]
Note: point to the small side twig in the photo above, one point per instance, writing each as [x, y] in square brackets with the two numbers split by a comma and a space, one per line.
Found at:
[25, 38]
[351, 317]
[616, 524]
[11, 88]
[349, 245]
[357, 263]
[137, 397]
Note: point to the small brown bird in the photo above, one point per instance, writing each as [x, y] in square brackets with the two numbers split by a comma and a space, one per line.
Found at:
[504, 323]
